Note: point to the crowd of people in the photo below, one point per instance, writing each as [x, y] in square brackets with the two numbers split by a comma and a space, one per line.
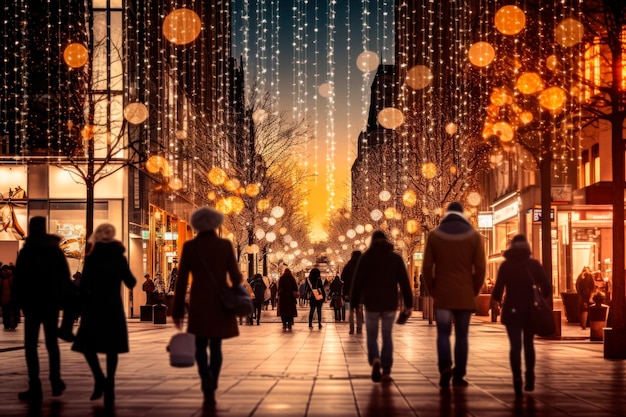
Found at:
[372, 288]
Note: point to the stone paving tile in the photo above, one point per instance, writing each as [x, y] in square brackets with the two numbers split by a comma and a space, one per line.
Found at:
[268, 372]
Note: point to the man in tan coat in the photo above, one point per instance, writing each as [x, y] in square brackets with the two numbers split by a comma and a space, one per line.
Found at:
[454, 270]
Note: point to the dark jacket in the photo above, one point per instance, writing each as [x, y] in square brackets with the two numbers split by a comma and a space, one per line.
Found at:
[103, 321]
[41, 279]
[454, 264]
[347, 275]
[514, 279]
[287, 290]
[378, 274]
[315, 282]
[258, 287]
[209, 259]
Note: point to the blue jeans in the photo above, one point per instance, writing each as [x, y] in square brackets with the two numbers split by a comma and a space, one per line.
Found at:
[444, 329]
[371, 328]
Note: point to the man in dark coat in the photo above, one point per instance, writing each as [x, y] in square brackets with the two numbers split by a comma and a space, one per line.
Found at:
[41, 282]
[454, 269]
[347, 276]
[258, 287]
[378, 274]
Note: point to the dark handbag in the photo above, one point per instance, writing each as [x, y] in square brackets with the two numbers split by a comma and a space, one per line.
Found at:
[236, 300]
[541, 318]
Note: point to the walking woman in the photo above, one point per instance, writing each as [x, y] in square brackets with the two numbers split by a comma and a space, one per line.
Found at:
[515, 278]
[315, 282]
[209, 258]
[103, 322]
[287, 295]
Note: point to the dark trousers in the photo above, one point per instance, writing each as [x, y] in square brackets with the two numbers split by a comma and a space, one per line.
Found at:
[315, 306]
[10, 316]
[516, 334]
[32, 323]
[209, 370]
[257, 312]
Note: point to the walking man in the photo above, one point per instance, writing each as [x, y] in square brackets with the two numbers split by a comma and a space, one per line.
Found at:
[42, 280]
[454, 270]
[378, 274]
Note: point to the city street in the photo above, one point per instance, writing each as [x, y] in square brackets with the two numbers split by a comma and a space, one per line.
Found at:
[268, 372]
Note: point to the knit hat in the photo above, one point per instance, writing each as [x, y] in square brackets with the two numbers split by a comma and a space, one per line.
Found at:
[104, 233]
[205, 219]
[379, 234]
[456, 207]
[519, 239]
[37, 226]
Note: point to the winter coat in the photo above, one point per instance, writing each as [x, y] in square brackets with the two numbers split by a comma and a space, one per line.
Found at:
[454, 264]
[5, 289]
[41, 279]
[258, 288]
[514, 284]
[347, 275]
[209, 258]
[103, 321]
[316, 283]
[378, 274]
[585, 285]
[287, 290]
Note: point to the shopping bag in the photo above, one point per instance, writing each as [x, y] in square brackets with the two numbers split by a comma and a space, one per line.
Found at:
[182, 350]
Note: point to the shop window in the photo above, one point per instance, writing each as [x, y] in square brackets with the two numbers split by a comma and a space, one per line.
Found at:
[595, 160]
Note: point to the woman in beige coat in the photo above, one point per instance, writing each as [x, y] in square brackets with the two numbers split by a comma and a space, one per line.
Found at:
[208, 258]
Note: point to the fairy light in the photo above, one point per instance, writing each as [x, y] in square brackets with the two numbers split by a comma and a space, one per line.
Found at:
[330, 123]
[316, 77]
[350, 154]
[365, 27]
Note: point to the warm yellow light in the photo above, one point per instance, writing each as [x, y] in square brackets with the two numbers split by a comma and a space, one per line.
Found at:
[390, 212]
[154, 164]
[253, 190]
[419, 77]
[451, 128]
[510, 20]
[569, 32]
[500, 96]
[453, 170]
[367, 61]
[182, 26]
[553, 98]
[412, 226]
[88, 131]
[473, 198]
[231, 184]
[211, 195]
[325, 90]
[176, 183]
[529, 83]
[409, 198]
[390, 118]
[429, 170]
[75, 55]
[263, 204]
[488, 130]
[136, 113]
[526, 117]
[504, 131]
[224, 205]
[552, 62]
[236, 203]
[481, 54]
[217, 176]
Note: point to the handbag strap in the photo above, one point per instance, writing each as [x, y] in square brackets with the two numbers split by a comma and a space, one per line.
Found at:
[534, 283]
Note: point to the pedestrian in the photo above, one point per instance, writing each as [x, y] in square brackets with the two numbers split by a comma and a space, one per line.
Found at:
[149, 288]
[336, 298]
[258, 287]
[103, 326]
[454, 269]
[287, 295]
[10, 314]
[314, 282]
[516, 276]
[211, 261]
[378, 275]
[585, 286]
[347, 275]
[40, 283]
[159, 289]
[273, 290]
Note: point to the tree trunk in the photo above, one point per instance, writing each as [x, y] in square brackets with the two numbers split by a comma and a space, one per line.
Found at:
[546, 204]
[617, 152]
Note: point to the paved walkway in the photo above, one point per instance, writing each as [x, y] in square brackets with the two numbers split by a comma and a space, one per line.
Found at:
[324, 372]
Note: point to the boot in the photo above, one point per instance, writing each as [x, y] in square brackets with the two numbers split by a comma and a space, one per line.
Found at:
[517, 386]
[34, 394]
[109, 393]
[98, 388]
[530, 381]
[57, 387]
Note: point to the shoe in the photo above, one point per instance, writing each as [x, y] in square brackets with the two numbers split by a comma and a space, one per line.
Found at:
[459, 382]
[376, 377]
[33, 395]
[444, 379]
[351, 332]
[517, 386]
[66, 335]
[109, 394]
[98, 389]
[209, 398]
[319, 326]
[530, 382]
[359, 331]
[58, 387]
[386, 378]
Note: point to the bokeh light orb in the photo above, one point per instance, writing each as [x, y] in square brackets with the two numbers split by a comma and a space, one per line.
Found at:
[510, 20]
[453, 170]
[451, 128]
[553, 98]
[253, 190]
[552, 63]
[384, 195]
[529, 83]
[182, 26]
[211, 195]
[526, 117]
[351, 233]
[259, 116]
[409, 198]
[136, 113]
[569, 32]
[419, 77]
[504, 131]
[500, 96]
[481, 54]
[325, 90]
[390, 212]
[175, 183]
[429, 170]
[473, 198]
[263, 204]
[278, 212]
[217, 176]
[270, 236]
[155, 163]
[376, 215]
[390, 118]
[237, 204]
[224, 206]
[367, 61]
[412, 226]
[231, 184]
[75, 55]
[359, 228]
